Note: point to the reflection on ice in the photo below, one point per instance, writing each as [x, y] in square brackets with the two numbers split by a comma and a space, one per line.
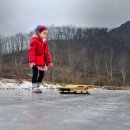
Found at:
[101, 110]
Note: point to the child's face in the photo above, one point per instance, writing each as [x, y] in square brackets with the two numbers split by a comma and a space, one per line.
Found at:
[43, 34]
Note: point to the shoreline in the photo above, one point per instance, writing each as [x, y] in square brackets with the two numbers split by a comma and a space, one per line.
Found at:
[20, 81]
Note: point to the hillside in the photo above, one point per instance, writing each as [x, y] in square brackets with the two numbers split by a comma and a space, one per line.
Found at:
[80, 55]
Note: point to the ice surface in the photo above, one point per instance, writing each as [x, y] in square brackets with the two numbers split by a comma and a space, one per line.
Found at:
[101, 110]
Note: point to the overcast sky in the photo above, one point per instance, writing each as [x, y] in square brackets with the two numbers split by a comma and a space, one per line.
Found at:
[23, 15]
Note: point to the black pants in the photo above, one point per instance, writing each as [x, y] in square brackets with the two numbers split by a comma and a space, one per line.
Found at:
[37, 75]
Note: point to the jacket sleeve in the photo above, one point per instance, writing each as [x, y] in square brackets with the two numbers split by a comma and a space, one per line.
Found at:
[47, 54]
[32, 51]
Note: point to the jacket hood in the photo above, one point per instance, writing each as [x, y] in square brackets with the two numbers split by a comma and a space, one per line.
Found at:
[36, 36]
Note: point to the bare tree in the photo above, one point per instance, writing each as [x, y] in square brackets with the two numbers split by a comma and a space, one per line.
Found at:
[109, 64]
[123, 68]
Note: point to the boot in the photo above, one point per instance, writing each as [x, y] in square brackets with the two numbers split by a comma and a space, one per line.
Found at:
[36, 88]
[34, 85]
[38, 85]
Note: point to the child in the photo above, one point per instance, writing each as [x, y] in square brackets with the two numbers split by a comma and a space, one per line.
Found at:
[39, 56]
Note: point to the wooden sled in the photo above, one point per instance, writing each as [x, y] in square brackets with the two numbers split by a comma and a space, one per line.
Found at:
[75, 89]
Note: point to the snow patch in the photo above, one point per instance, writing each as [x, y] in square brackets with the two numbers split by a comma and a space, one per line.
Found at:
[25, 85]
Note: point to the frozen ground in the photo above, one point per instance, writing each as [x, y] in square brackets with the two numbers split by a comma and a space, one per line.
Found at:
[101, 110]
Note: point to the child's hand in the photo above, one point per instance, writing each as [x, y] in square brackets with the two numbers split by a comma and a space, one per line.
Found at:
[31, 64]
[50, 65]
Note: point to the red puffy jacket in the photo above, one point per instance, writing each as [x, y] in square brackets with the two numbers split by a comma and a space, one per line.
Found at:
[39, 51]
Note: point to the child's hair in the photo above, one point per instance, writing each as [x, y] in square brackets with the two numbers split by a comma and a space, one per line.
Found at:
[42, 29]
